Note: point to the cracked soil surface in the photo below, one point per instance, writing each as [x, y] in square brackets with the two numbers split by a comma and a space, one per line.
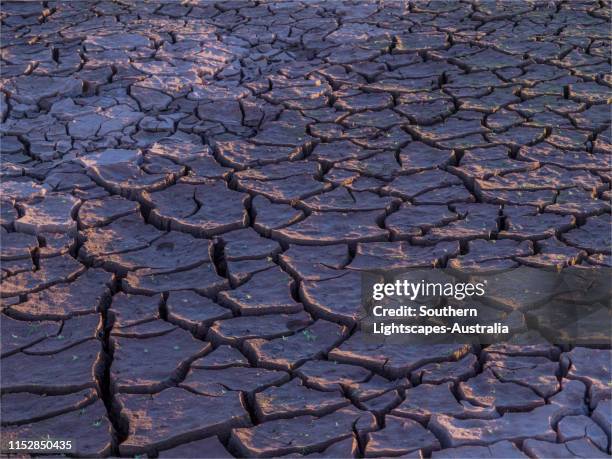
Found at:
[191, 190]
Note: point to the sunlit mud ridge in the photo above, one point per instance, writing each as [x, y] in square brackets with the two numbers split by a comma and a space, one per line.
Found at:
[190, 192]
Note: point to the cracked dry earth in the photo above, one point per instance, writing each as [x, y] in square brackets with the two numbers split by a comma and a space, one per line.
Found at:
[191, 190]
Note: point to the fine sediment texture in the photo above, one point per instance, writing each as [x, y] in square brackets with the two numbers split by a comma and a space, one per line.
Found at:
[191, 190]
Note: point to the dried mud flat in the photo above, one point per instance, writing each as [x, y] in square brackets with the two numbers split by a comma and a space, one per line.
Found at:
[190, 191]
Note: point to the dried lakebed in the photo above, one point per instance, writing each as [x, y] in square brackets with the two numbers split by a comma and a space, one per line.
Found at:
[188, 188]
